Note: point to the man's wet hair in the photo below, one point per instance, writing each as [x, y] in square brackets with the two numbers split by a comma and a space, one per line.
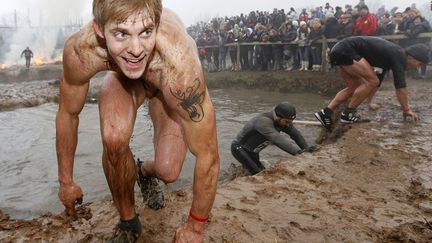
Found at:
[105, 11]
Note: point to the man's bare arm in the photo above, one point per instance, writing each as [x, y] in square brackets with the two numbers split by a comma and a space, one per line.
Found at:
[72, 99]
[198, 120]
[74, 84]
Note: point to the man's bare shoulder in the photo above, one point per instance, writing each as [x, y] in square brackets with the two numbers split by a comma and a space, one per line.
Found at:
[83, 56]
[173, 43]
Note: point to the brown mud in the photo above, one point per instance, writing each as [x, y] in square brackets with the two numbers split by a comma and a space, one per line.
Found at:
[371, 183]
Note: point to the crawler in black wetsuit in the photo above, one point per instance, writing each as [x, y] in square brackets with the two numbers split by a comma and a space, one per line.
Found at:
[265, 129]
[355, 57]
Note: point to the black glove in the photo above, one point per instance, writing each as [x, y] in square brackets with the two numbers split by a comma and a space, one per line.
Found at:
[312, 149]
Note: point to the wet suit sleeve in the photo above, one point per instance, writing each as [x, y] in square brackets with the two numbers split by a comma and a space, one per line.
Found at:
[398, 66]
[399, 77]
[296, 135]
[266, 127]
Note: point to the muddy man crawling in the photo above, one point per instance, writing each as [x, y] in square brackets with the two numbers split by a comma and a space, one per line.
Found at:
[147, 55]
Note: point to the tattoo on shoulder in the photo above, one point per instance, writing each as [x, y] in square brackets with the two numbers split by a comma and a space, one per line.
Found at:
[191, 100]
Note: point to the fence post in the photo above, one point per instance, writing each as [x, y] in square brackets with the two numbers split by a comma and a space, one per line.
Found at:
[238, 56]
[324, 54]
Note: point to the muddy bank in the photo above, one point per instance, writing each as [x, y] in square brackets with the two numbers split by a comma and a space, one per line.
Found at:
[281, 81]
[21, 73]
[374, 184]
[20, 87]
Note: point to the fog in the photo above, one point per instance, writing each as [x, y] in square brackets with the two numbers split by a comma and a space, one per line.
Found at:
[44, 24]
[192, 11]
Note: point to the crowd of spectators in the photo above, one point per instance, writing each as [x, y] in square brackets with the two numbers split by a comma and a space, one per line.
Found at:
[299, 31]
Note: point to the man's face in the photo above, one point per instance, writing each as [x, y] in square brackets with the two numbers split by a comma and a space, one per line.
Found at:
[412, 63]
[284, 122]
[412, 14]
[386, 20]
[397, 16]
[130, 43]
[364, 12]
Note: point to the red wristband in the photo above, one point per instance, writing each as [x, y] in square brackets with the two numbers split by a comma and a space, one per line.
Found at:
[197, 218]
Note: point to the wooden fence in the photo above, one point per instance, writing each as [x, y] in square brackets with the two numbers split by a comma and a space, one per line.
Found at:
[324, 42]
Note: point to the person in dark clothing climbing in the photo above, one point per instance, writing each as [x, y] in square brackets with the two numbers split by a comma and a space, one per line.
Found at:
[265, 129]
[355, 57]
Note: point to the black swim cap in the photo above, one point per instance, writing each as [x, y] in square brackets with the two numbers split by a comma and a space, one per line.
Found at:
[285, 110]
[419, 52]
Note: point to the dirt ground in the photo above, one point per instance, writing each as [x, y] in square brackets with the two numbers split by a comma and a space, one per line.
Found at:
[373, 184]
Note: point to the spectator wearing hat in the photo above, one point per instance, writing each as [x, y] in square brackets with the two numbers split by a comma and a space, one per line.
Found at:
[397, 20]
[354, 57]
[277, 50]
[332, 29]
[232, 50]
[316, 33]
[289, 34]
[347, 27]
[366, 24]
[245, 37]
[303, 45]
[266, 129]
[386, 25]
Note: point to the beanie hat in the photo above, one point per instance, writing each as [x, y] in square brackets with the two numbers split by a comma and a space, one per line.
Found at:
[285, 110]
[302, 23]
[419, 52]
[295, 23]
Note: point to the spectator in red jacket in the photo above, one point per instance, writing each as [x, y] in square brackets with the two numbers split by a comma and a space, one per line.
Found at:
[366, 24]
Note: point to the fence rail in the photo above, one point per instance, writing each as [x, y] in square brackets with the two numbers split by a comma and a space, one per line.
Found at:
[323, 40]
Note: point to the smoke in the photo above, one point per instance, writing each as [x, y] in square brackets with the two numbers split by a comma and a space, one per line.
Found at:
[52, 12]
[41, 25]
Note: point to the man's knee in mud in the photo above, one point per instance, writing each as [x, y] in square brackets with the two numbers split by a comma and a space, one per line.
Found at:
[168, 170]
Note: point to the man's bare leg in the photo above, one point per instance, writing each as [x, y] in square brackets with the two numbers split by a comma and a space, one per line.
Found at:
[371, 105]
[119, 101]
[365, 72]
[170, 147]
[361, 82]
[352, 84]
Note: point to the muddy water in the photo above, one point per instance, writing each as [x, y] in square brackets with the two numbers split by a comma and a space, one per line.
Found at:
[28, 167]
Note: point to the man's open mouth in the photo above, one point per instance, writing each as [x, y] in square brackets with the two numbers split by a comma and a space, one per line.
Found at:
[133, 62]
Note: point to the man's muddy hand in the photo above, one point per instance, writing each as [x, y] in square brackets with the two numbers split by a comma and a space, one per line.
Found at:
[70, 195]
[411, 114]
[186, 233]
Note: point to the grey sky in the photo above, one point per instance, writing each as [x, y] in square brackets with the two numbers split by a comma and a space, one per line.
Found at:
[190, 11]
